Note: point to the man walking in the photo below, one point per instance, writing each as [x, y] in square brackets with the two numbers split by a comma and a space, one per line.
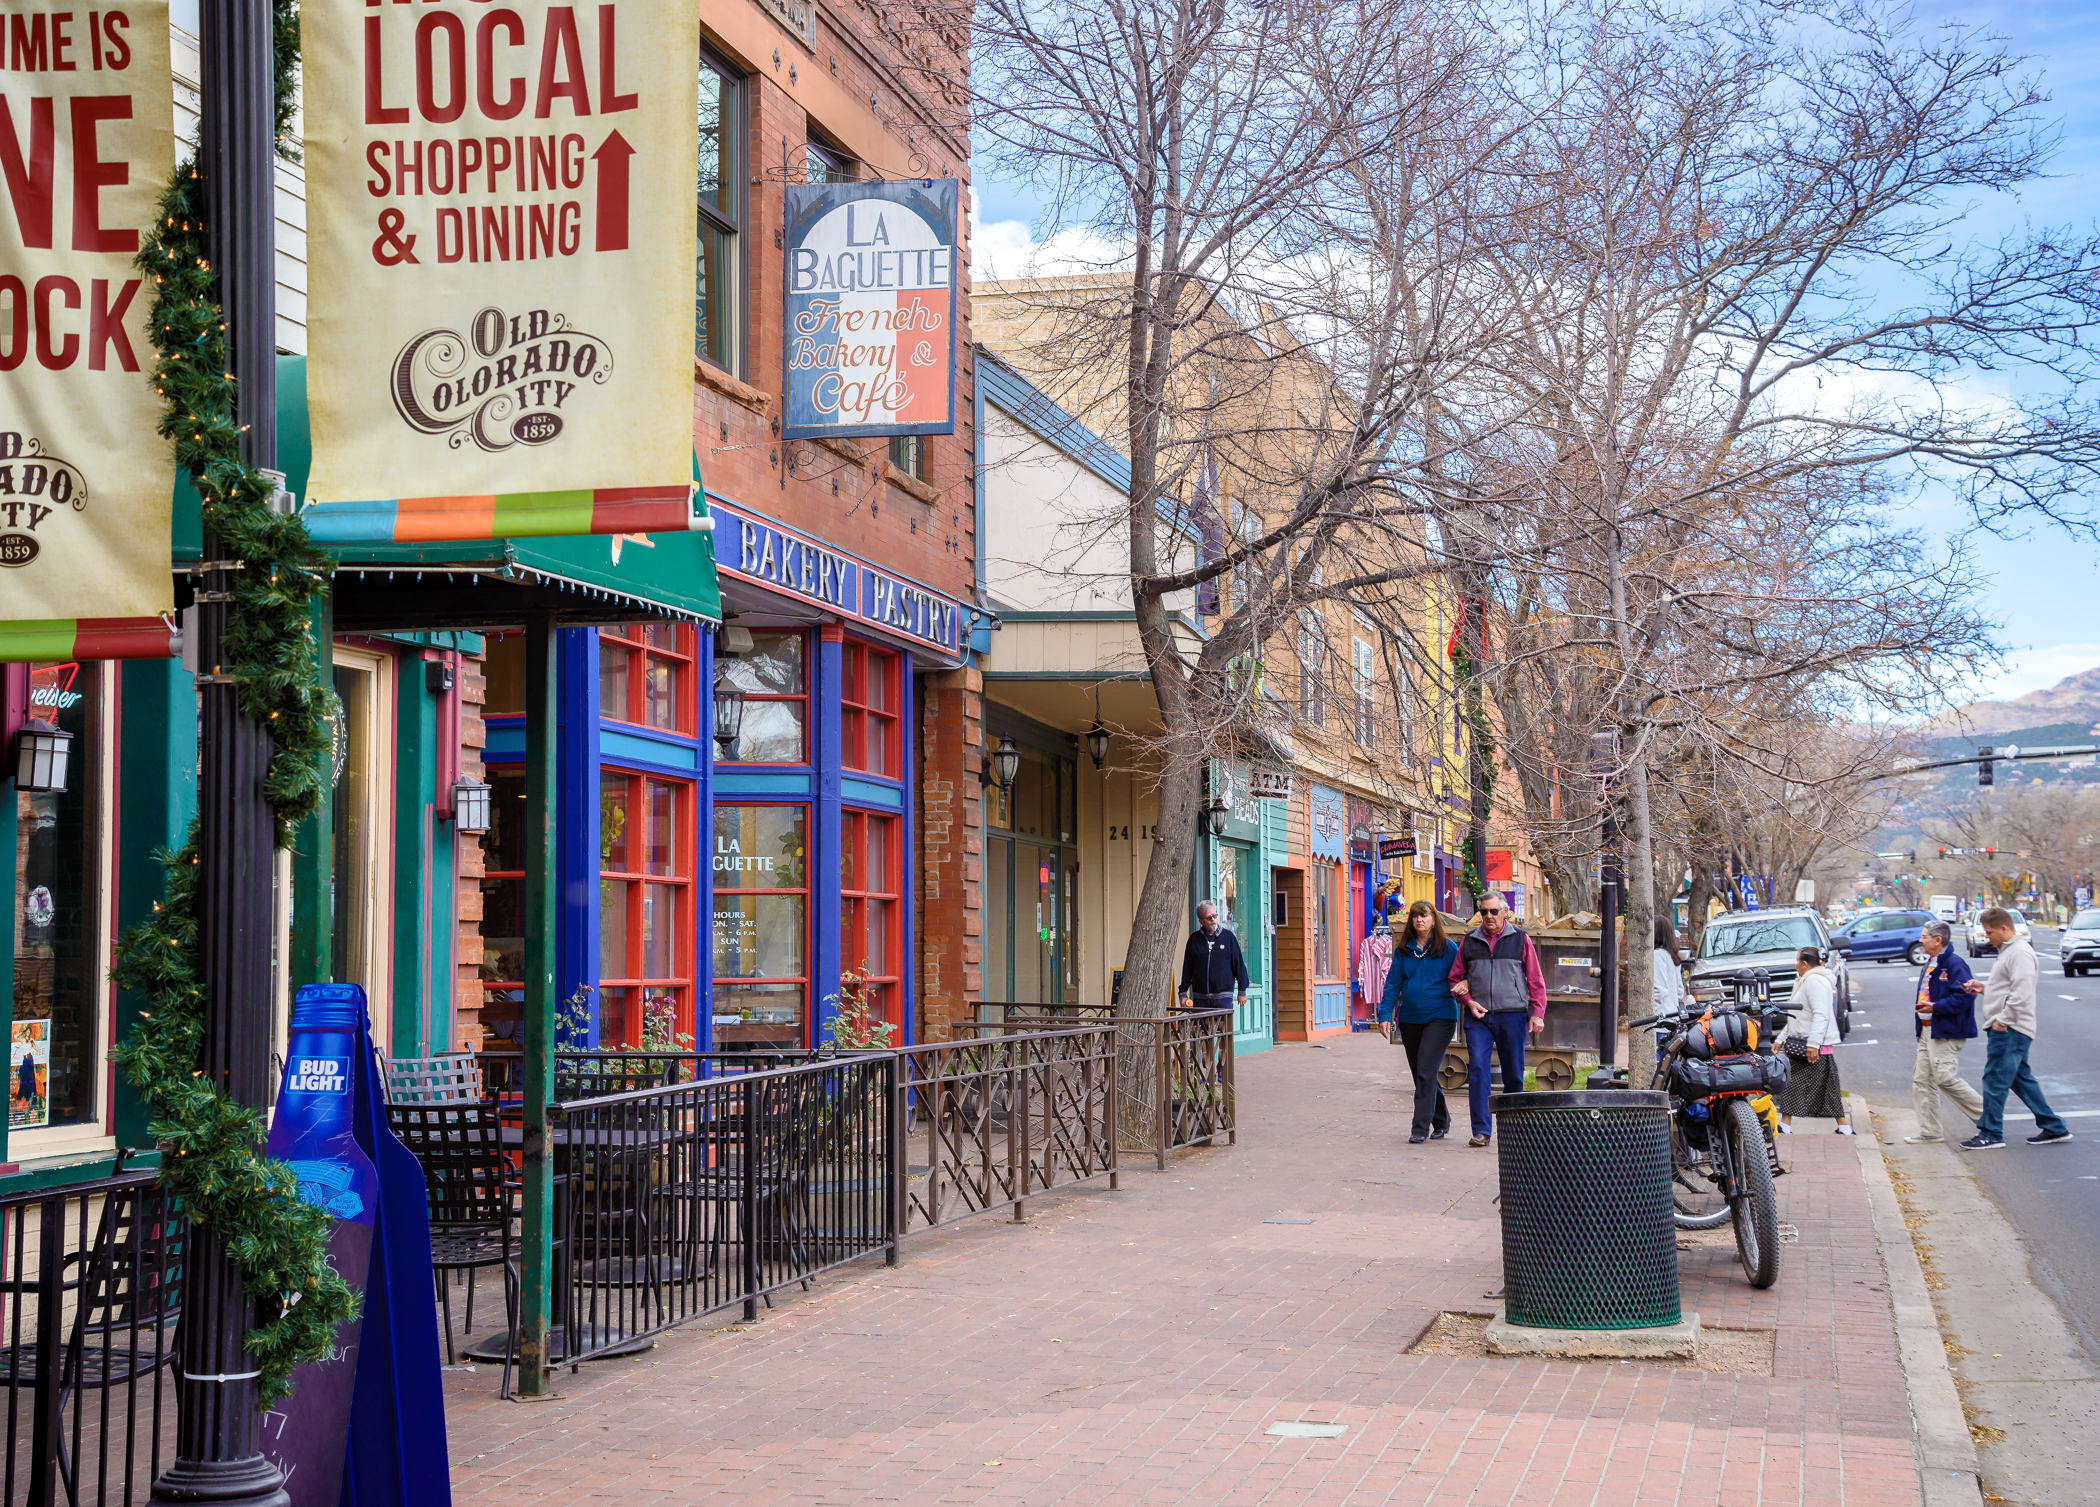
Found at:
[1497, 975]
[1213, 970]
[1946, 1017]
[2009, 1022]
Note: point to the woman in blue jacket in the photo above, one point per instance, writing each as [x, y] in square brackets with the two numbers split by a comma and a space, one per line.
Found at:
[1421, 1012]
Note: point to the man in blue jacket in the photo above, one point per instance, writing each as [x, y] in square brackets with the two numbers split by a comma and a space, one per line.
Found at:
[1213, 969]
[1946, 1004]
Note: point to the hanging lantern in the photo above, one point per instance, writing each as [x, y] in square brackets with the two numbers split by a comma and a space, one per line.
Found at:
[1097, 744]
[41, 755]
[729, 713]
[1006, 764]
[1214, 818]
[470, 807]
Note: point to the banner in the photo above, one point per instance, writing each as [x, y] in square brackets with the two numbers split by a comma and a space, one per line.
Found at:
[87, 139]
[501, 242]
[871, 281]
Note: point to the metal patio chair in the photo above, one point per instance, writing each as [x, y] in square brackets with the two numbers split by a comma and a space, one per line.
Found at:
[467, 1180]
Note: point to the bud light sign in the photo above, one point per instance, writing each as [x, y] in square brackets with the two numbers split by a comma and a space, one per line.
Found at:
[871, 281]
[318, 1075]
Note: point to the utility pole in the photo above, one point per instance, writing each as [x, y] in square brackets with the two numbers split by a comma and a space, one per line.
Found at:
[218, 1453]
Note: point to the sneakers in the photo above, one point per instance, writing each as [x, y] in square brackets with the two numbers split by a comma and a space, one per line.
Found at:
[2044, 1138]
[1438, 1135]
[1846, 1130]
[1416, 1140]
[1785, 1129]
[1981, 1142]
[1924, 1140]
[1479, 1140]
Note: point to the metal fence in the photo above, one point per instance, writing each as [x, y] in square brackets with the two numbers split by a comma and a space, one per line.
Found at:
[989, 1122]
[680, 1200]
[1176, 1082]
[90, 1278]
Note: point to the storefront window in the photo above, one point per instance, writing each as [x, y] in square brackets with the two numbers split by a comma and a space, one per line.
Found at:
[868, 864]
[761, 923]
[1030, 953]
[645, 676]
[774, 677]
[644, 888]
[503, 907]
[1326, 916]
[51, 1068]
[869, 698]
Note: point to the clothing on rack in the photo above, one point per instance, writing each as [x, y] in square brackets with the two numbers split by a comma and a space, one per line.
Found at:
[1373, 958]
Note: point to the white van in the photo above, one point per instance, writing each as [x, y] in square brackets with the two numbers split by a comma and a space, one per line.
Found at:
[1943, 907]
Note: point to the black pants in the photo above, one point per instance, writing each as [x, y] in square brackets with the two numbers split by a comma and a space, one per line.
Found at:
[1426, 1043]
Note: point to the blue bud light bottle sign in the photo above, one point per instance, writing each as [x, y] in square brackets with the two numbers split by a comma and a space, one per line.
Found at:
[313, 1134]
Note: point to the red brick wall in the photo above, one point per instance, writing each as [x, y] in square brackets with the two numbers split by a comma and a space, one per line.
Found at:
[950, 850]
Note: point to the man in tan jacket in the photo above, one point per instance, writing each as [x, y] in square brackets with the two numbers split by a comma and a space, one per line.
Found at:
[2009, 1023]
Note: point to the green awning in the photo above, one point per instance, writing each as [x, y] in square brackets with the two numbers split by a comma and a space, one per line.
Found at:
[486, 583]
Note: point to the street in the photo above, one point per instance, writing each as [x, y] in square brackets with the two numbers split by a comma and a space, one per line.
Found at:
[2051, 1194]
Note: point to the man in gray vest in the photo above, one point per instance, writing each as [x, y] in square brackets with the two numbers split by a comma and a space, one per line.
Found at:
[1497, 975]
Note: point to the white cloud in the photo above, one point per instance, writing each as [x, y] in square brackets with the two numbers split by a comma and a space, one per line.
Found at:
[1009, 249]
[2036, 669]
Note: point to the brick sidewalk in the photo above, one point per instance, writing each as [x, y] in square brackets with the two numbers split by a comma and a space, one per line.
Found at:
[1133, 1346]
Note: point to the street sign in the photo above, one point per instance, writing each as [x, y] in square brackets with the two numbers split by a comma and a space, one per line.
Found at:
[1272, 784]
[85, 477]
[494, 247]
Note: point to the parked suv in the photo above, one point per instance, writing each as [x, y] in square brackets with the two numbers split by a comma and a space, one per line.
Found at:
[1763, 939]
[1884, 936]
[2081, 944]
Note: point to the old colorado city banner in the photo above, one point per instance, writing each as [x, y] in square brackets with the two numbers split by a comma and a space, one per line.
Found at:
[87, 140]
[501, 234]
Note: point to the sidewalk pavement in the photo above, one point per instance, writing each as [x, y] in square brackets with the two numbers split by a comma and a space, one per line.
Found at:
[1134, 1346]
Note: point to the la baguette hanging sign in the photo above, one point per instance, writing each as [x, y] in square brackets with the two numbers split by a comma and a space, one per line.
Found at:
[871, 290]
[87, 138]
[501, 228]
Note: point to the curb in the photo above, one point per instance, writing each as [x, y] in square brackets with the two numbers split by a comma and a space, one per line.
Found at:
[1945, 1450]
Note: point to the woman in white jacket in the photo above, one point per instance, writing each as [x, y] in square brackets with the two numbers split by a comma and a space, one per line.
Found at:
[1812, 1087]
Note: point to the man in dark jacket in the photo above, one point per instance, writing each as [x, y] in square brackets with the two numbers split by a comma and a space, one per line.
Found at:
[1213, 970]
[1497, 976]
[1946, 1003]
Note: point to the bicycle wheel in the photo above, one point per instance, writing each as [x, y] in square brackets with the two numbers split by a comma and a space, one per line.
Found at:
[1756, 1204]
[1695, 1203]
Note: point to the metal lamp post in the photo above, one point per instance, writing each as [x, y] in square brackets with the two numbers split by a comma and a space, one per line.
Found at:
[218, 1444]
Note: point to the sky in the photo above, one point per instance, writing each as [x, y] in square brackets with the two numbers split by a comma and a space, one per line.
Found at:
[2041, 587]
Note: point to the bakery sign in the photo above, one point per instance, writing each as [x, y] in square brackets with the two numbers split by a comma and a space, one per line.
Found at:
[871, 291]
[760, 550]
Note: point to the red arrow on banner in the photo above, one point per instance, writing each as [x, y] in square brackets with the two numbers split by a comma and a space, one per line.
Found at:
[612, 160]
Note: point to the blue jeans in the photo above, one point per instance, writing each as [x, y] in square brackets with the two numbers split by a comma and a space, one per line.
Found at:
[2005, 1068]
[1504, 1032]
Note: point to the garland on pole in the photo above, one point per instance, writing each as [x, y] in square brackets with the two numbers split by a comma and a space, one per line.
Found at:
[1474, 709]
[209, 1156]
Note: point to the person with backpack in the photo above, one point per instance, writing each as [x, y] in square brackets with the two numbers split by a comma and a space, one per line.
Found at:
[1496, 974]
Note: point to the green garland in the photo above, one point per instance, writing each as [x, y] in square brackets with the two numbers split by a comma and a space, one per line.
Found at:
[1475, 712]
[208, 1142]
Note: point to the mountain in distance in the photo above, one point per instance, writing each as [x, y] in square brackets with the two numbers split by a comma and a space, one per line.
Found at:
[2073, 700]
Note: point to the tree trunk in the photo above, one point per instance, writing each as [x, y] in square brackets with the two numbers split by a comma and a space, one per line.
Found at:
[1640, 920]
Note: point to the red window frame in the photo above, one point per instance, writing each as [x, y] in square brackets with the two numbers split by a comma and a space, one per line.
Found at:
[805, 890]
[621, 1016]
[859, 883]
[863, 724]
[802, 696]
[645, 650]
[502, 999]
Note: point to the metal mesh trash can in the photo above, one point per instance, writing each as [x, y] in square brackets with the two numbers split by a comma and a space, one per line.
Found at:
[1588, 1238]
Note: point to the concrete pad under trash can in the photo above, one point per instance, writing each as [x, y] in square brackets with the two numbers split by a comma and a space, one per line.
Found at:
[1678, 1341]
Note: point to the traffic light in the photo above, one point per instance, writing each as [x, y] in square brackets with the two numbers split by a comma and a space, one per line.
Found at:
[1990, 852]
[1983, 770]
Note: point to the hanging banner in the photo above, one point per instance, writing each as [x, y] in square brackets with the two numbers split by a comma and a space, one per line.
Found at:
[87, 136]
[500, 241]
[871, 281]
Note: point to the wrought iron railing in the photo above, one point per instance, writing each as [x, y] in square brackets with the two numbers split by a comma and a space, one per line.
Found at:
[90, 1292]
[987, 1123]
[677, 1201]
[1176, 1082]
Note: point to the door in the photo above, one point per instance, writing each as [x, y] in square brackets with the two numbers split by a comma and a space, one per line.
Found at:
[1239, 910]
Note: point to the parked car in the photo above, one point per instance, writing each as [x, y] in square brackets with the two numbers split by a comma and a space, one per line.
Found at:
[1884, 936]
[2080, 948]
[1980, 945]
[1763, 939]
